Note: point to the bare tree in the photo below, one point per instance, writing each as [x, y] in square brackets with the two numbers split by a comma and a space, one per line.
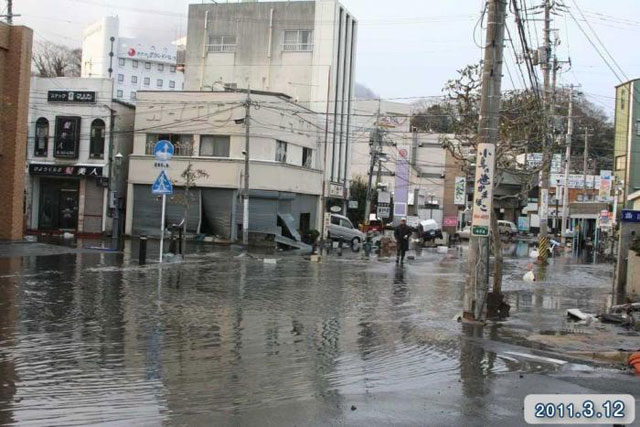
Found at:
[190, 177]
[54, 60]
[521, 128]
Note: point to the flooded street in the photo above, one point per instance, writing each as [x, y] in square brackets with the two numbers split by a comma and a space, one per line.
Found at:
[221, 339]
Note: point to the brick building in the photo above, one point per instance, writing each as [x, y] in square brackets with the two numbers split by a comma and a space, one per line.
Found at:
[15, 72]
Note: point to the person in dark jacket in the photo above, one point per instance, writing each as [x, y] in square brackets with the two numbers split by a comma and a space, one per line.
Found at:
[402, 234]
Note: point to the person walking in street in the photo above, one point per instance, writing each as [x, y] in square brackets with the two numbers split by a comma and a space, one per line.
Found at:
[402, 234]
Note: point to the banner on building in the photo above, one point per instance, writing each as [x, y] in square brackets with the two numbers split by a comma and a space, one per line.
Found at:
[450, 221]
[605, 186]
[460, 191]
[483, 190]
[401, 194]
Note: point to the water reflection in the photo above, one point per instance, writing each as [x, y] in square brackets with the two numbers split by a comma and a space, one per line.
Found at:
[229, 340]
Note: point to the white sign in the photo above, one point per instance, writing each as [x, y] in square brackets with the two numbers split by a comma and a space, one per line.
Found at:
[336, 190]
[163, 151]
[460, 191]
[483, 190]
[544, 205]
[384, 197]
[353, 204]
[384, 210]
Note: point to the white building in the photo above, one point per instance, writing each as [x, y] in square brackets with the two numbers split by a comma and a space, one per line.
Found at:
[208, 131]
[304, 49]
[75, 128]
[424, 152]
[135, 64]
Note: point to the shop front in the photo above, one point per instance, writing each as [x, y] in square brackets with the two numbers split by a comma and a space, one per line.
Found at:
[67, 198]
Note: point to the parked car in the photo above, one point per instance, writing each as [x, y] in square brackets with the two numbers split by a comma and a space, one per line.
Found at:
[341, 227]
[507, 228]
[430, 230]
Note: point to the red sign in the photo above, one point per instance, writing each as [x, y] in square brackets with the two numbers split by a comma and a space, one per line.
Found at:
[131, 52]
[450, 221]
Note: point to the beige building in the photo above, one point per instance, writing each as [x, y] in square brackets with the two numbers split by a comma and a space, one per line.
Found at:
[15, 72]
[304, 49]
[208, 132]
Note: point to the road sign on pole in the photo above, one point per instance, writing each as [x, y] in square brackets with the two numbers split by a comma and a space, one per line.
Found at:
[162, 185]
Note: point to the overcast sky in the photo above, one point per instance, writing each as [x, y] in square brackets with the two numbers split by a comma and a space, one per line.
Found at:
[406, 48]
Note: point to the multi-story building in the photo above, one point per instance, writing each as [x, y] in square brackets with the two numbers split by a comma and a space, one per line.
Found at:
[15, 72]
[627, 140]
[79, 141]
[208, 132]
[424, 152]
[304, 49]
[134, 64]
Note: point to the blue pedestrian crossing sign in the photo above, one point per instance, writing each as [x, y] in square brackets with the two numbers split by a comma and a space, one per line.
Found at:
[163, 151]
[162, 185]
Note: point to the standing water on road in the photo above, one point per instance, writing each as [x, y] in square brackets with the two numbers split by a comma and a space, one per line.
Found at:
[222, 339]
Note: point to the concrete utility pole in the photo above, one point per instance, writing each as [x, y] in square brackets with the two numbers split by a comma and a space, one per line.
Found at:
[477, 285]
[376, 146]
[543, 200]
[245, 193]
[586, 164]
[567, 166]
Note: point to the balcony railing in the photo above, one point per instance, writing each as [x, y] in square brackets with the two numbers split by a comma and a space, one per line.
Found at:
[297, 47]
[181, 149]
[221, 48]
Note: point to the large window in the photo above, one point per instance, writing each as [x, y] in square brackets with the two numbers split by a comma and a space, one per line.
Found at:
[298, 40]
[119, 93]
[41, 144]
[159, 83]
[147, 65]
[134, 63]
[221, 44]
[96, 144]
[67, 137]
[172, 68]
[307, 157]
[281, 151]
[160, 67]
[182, 143]
[121, 62]
[172, 84]
[214, 145]
[147, 81]
[134, 79]
[621, 163]
[120, 78]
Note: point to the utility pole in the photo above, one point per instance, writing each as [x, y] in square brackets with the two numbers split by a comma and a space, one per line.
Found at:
[477, 285]
[245, 193]
[376, 145]
[543, 200]
[567, 166]
[586, 164]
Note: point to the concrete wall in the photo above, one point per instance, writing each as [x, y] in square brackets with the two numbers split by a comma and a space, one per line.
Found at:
[321, 79]
[15, 67]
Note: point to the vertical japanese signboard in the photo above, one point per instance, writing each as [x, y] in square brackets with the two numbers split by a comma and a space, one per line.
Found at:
[460, 191]
[483, 190]
[605, 186]
[401, 194]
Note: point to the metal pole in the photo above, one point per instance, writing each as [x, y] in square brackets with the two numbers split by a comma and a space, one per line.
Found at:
[164, 206]
[247, 125]
[567, 166]
[478, 261]
[10, 12]
[586, 156]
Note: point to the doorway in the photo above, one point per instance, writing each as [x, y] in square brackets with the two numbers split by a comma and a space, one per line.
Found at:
[58, 204]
